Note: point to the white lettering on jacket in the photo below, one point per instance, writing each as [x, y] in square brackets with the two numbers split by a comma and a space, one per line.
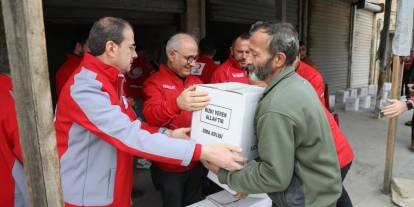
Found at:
[237, 75]
[171, 87]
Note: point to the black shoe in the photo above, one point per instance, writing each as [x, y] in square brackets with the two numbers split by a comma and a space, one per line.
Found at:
[411, 147]
[408, 123]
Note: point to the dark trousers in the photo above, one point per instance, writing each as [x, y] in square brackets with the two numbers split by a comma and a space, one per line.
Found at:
[178, 189]
[344, 200]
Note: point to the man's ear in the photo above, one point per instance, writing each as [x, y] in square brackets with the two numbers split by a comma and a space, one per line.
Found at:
[111, 48]
[171, 55]
[279, 60]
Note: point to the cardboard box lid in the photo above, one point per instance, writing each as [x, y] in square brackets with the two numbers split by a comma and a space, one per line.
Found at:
[239, 88]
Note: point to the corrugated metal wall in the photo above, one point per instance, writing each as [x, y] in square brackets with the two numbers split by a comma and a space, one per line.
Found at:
[329, 40]
[292, 8]
[361, 50]
[241, 11]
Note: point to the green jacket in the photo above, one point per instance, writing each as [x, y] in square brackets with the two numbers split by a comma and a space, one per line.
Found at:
[294, 137]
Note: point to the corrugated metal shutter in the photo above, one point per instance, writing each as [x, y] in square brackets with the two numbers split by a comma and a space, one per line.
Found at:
[292, 12]
[361, 51]
[241, 11]
[329, 40]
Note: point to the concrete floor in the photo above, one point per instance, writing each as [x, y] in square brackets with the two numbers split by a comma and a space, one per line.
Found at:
[365, 178]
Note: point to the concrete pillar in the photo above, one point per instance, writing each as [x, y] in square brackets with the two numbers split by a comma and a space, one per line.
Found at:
[193, 21]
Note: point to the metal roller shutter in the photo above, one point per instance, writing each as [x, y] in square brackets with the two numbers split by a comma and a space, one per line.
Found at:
[241, 11]
[292, 12]
[329, 40]
[361, 51]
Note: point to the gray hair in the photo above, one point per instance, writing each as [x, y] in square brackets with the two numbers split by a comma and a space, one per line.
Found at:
[174, 43]
[282, 38]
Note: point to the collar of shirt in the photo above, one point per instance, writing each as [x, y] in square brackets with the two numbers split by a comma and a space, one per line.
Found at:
[109, 72]
[288, 71]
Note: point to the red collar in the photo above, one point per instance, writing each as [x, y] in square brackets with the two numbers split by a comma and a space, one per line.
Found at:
[233, 63]
[73, 58]
[92, 63]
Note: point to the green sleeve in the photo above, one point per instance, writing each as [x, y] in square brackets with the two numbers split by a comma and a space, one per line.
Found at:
[276, 149]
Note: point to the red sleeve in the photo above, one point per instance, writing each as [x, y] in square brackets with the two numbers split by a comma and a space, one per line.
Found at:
[12, 129]
[92, 109]
[157, 109]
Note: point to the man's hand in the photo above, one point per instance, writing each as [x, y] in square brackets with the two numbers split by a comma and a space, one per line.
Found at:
[396, 108]
[180, 133]
[210, 166]
[191, 100]
[223, 155]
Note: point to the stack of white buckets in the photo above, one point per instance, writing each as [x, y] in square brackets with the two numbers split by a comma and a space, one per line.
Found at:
[359, 98]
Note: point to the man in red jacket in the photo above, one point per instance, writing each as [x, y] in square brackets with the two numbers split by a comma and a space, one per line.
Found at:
[72, 61]
[141, 69]
[207, 50]
[232, 70]
[343, 148]
[98, 134]
[13, 191]
[167, 103]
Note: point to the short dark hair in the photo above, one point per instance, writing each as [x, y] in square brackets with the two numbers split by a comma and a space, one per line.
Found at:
[243, 36]
[282, 38]
[207, 46]
[104, 30]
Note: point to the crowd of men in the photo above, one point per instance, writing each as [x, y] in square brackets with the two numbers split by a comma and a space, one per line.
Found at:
[114, 104]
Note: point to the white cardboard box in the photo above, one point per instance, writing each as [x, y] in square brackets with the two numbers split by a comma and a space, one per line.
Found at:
[353, 93]
[341, 96]
[332, 101]
[352, 104]
[362, 92]
[365, 102]
[387, 86]
[225, 199]
[229, 118]
[372, 90]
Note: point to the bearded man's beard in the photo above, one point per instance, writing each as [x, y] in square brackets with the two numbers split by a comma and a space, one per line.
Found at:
[263, 71]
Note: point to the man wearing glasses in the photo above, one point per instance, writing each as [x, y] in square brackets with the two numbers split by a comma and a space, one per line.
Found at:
[169, 100]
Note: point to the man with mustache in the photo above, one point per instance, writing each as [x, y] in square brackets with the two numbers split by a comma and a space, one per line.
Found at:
[232, 70]
[98, 133]
[297, 163]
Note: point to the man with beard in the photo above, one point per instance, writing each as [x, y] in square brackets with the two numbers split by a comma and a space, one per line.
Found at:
[233, 69]
[98, 134]
[297, 163]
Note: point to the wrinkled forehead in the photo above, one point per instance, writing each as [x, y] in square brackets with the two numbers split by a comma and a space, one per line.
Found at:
[188, 47]
[259, 42]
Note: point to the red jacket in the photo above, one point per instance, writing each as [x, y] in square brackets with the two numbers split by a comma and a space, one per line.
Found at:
[208, 69]
[13, 190]
[160, 106]
[141, 69]
[97, 135]
[65, 70]
[229, 71]
[343, 148]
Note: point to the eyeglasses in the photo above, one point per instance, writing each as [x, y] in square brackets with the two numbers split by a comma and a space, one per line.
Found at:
[190, 59]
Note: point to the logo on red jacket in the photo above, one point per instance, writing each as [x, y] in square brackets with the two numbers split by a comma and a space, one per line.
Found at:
[237, 75]
[171, 87]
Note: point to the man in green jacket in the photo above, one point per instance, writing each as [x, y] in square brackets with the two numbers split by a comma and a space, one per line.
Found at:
[297, 163]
